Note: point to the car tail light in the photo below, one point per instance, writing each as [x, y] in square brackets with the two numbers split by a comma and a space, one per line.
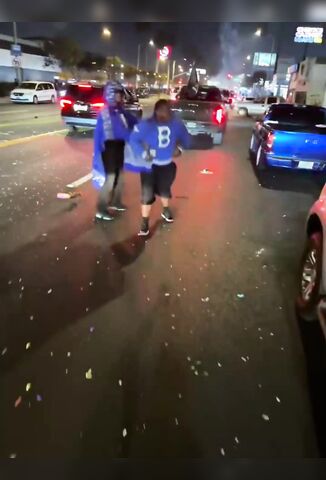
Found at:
[270, 141]
[65, 102]
[83, 85]
[219, 115]
[97, 104]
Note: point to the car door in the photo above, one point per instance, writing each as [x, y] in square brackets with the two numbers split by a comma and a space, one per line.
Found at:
[47, 92]
[40, 92]
[52, 92]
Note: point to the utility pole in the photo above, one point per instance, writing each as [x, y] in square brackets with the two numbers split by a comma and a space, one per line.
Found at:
[17, 69]
[173, 70]
[169, 65]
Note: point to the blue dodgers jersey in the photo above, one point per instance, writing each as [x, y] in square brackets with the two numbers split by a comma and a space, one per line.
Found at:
[160, 139]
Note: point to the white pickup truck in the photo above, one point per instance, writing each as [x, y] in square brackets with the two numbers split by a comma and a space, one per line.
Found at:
[256, 107]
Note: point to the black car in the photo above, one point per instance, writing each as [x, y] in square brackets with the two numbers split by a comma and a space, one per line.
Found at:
[142, 92]
[83, 101]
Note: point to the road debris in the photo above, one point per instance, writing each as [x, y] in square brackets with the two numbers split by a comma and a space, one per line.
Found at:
[205, 171]
[89, 374]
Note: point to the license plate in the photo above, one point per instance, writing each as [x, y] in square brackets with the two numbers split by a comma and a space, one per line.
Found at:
[80, 108]
[306, 165]
[191, 124]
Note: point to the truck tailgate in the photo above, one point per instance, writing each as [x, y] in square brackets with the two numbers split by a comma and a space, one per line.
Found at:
[299, 145]
[194, 111]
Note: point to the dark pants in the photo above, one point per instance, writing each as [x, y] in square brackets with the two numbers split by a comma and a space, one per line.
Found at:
[157, 182]
[111, 191]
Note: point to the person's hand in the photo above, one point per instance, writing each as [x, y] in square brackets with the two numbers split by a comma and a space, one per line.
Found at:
[177, 152]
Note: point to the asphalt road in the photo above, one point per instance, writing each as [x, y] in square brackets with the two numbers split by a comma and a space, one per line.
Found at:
[185, 345]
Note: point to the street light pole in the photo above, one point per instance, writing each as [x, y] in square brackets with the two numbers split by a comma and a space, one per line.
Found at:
[17, 69]
[138, 63]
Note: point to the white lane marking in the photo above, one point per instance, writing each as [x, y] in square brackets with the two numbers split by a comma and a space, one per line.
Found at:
[17, 141]
[4, 133]
[80, 181]
[13, 111]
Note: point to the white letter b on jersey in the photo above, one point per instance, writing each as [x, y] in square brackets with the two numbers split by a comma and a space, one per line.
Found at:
[164, 134]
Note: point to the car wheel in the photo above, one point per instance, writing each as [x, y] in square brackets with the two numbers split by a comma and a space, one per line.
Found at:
[310, 278]
[243, 112]
[53, 99]
[35, 100]
[217, 138]
[252, 147]
[260, 159]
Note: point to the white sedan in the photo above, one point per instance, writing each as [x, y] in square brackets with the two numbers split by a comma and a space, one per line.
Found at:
[311, 300]
[34, 92]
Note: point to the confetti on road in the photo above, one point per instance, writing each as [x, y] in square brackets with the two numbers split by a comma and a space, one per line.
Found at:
[49, 291]
[89, 374]
[278, 399]
[240, 295]
[31, 317]
[205, 373]
[4, 351]
[120, 383]
[236, 440]
[196, 372]
[28, 345]
[265, 417]
[205, 171]
[205, 300]
[68, 354]
[18, 402]
[179, 396]
[91, 329]
[13, 455]
[173, 327]
[124, 432]
[259, 252]
[272, 334]
[223, 452]
[189, 359]
[167, 294]
[219, 364]
[244, 359]
[166, 344]
[28, 387]
[176, 422]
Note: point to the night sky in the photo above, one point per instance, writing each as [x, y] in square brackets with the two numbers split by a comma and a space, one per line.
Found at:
[214, 45]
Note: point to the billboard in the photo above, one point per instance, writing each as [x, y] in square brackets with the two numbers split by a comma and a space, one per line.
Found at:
[263, 59]
[164, 53]
[309, 35]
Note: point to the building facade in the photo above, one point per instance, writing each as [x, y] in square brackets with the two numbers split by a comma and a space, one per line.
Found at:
[308, 82]
[34, 63]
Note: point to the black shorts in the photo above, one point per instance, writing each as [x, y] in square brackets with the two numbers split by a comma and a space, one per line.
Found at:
[157, 182]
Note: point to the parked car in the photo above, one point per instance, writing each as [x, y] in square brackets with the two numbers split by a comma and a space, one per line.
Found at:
[311, 299]
[290, 136]
[142, 92]
[34, 92]
[83, 101]
[256, 107]
[202, 113]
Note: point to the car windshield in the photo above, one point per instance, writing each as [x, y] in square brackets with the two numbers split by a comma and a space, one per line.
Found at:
[28, 86]
[208, 94]
[84, 93]
[290, 117]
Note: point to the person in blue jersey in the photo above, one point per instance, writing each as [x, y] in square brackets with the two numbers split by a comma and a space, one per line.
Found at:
[155, 143]
[113, 129]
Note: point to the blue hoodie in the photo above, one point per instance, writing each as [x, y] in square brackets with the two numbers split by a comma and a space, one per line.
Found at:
[160, 138]
[109, 126]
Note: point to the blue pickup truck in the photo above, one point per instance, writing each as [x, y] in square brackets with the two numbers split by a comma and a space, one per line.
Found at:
[290, 136]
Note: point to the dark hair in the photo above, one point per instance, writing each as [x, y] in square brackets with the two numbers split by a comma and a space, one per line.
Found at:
[161, 103]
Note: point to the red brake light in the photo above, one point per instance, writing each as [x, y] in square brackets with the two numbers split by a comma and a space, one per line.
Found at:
[270, 140]
[219, 115]
[83, 85]
[65, 102]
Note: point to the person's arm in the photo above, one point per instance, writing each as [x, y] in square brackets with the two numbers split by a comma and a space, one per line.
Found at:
[138, 139]
[184, 138]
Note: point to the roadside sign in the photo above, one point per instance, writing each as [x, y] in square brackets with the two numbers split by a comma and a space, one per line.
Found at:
[16, 62]
[16, 50]
[309, 35]
[164, 53]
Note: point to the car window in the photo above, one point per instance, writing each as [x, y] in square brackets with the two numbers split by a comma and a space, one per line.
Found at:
[39, 87]
[28, 85]
[208, 94]
[271, 100]
[83, 93]
[50, 86]
[291, 117]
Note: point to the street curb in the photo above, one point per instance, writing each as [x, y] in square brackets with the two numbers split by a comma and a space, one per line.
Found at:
[4, 100]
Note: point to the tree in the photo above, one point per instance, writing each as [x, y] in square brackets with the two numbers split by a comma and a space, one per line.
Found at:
[66, 50]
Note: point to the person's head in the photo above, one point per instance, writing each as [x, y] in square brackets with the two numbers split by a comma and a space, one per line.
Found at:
[162, 111]
[113, 94]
